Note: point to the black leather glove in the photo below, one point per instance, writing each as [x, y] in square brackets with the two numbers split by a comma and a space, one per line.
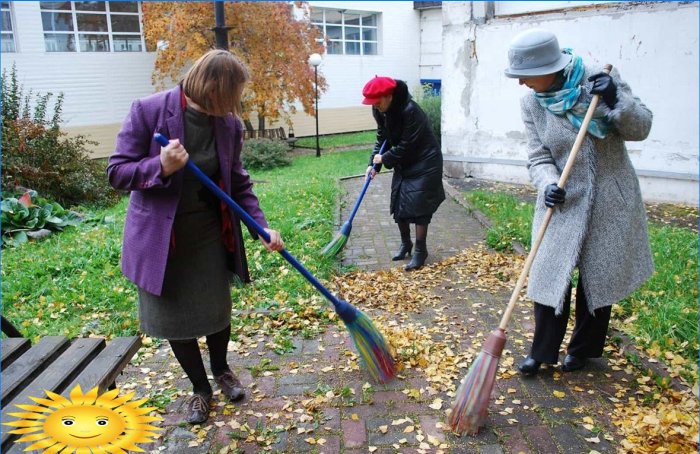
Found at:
[553, 195]
[604, 86]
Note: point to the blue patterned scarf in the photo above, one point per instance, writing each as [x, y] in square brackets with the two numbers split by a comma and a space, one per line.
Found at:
[566, 100]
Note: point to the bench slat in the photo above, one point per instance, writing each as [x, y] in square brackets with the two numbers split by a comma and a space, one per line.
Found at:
[104, 369]
[63, 370]
[30, 364]
[12, 348]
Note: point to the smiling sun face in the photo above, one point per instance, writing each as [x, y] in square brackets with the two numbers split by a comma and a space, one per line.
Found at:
[84, 426]
[104, 423]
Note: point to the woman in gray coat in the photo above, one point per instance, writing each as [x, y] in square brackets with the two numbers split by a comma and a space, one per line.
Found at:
[600, 223]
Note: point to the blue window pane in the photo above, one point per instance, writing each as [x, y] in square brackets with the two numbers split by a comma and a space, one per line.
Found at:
[57, 22]
[127, 43]
[369, 20]
[122, 23]
[6, 21]
[56, 42]
[352, 19]
[8, 43]
[90, 6]
[334, 17]
[369, 48]
[352, 48]
[352, 33]
[94, 43]
[369, 34]
[55, 5]
[334, 47]
[124, 7]
[92, 22]
[334, 32]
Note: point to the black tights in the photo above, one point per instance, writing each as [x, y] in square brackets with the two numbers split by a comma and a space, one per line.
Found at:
[405, 230]
[188, 355]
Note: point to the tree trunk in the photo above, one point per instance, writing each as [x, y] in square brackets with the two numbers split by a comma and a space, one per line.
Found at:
[261, 125]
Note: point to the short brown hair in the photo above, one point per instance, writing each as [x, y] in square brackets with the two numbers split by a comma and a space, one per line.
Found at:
[214, 82]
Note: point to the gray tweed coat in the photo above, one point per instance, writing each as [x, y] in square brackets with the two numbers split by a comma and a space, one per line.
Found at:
[601, 227]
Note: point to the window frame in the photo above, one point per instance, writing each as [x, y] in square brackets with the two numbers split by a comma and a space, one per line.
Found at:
[6, 7]
[113, 38]
[333, 44]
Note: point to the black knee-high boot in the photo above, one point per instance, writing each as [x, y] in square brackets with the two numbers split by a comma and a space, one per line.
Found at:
[406, 244]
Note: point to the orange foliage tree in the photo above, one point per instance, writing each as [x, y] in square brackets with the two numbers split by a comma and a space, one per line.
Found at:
[266, 36]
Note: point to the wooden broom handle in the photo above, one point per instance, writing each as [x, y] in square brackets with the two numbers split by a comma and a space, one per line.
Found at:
[548, 215]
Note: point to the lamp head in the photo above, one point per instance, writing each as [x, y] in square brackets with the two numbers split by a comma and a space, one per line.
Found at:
[315, 59]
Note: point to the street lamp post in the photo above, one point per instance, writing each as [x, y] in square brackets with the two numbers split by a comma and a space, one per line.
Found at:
[315, 60]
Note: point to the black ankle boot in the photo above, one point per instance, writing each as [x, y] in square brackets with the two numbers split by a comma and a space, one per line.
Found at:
[419, 256]
[404, 249]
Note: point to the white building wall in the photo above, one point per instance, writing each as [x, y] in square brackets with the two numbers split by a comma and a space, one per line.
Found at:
[431, 44]
[98, 86]
[654, 46]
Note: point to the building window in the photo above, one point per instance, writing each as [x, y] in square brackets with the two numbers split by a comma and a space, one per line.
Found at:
[347, 32]
[92, 26]
[8, 34]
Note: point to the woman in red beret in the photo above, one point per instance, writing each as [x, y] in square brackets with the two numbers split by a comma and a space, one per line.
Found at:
[414, 154]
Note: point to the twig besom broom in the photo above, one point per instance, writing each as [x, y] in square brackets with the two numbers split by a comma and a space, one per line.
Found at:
[369, 342]
[341, 237]
[472, 399]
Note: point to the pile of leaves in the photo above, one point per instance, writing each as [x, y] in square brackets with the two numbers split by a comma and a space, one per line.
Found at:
[32, 217]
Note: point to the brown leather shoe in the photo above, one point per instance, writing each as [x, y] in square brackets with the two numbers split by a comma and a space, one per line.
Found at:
[197, 409]
[230, 386]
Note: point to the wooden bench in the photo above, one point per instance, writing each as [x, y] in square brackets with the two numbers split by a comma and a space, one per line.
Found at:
[57, 364]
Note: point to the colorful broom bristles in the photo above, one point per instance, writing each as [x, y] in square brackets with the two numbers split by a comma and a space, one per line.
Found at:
[471, 403]
[336, 244]
[372, 348]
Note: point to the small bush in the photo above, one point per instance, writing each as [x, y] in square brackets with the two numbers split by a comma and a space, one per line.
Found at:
[431, 105]
[36, 154]
[265, 154]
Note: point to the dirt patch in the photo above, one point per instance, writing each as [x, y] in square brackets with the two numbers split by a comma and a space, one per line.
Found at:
[675, 215]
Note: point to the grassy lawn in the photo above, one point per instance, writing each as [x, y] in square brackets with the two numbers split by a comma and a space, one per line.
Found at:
[663, 313]
[338, 140]
[71, 283]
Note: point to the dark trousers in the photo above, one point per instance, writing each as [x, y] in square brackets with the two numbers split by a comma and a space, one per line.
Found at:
[588, 338]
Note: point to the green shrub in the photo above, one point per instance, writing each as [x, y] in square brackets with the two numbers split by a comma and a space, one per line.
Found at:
[36, 154]
[265, 154]
[431, 105]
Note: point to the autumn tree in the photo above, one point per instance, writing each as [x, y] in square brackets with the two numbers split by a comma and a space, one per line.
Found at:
[266, 36]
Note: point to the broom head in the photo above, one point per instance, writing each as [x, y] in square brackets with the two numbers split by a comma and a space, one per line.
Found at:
[472, 399]
[338, 241]
[371, 347]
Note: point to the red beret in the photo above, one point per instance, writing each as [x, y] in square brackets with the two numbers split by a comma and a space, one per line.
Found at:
[376, 88]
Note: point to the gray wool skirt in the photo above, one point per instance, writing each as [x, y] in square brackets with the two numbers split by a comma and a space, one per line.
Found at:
[196, 296]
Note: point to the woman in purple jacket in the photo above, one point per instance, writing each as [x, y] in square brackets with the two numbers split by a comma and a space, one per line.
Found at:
[182, 247]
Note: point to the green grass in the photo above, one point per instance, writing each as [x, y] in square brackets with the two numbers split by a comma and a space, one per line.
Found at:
[663, 312]
[338, 140]
[70, 284]
[511, 219]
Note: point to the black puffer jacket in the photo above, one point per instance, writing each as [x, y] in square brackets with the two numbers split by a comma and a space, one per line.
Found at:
[413, 153]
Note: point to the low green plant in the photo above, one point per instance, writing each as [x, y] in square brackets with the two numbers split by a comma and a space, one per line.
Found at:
[265, 154]
[30, 213]
[36, 154]
[431, 104]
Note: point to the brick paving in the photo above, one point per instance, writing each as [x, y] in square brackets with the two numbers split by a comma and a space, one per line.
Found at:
[542, 414]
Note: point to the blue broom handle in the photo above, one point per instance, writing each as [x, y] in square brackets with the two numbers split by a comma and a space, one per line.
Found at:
[368, 179]
[250, 222]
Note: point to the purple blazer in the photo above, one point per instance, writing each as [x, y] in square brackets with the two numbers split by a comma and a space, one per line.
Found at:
[135, 166]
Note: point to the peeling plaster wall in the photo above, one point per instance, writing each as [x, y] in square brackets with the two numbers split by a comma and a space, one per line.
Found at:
[654, 46]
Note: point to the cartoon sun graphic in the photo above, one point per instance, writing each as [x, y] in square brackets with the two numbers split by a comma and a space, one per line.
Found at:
[86, 423]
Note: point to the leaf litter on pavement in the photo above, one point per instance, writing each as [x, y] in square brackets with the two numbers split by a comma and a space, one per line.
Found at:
[428, 340]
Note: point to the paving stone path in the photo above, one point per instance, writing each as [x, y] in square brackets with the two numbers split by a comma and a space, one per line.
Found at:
[550, 413]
